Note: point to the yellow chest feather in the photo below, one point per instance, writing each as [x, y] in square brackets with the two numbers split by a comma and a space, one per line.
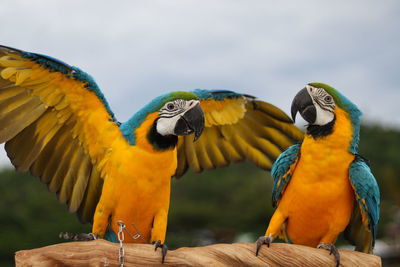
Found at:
[319, 198]
[138, 179]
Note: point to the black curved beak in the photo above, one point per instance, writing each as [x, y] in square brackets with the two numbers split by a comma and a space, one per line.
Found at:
[303, 104]
[191, 122]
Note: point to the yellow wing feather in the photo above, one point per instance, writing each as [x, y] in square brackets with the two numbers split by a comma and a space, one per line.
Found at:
[90, 198]
[56, 128]
[80, 184]
[224, 112]
[202, 155]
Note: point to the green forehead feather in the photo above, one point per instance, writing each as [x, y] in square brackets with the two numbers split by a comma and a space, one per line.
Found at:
[182, 95]
[160, 101]
[332, 91]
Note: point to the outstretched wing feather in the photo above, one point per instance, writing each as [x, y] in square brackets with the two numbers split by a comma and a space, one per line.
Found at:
[54, 120]
[81, 183]
[92, 194]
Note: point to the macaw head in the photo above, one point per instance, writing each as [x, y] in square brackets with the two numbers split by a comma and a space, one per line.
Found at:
[180, 115]
[317, 103]
[171, 115]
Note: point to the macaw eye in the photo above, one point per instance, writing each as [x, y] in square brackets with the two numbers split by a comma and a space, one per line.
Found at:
[170, 106]
[328, 98]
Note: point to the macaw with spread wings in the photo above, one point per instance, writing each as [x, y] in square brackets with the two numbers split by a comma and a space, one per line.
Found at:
[57, 124]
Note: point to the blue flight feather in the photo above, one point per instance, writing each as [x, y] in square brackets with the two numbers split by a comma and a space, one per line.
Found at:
[53, 64]
[280, 168]
[367, 189]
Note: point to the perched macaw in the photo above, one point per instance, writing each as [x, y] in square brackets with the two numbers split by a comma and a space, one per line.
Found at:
[57, 124]
[322, 187]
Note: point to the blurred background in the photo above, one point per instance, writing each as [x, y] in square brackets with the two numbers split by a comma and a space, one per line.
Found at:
[137, 50]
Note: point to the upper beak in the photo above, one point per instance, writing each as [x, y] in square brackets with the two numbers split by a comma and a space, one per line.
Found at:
[303, 104]
[191, 121]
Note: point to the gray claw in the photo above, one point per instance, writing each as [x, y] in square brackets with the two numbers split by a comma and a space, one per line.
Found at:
[263, 240]
[164, 249]
[332, 250]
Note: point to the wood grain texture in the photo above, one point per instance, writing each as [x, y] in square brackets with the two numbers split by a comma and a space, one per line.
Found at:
[103, 253]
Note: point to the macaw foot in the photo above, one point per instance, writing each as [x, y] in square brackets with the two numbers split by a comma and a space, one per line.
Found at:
[163, 247]
[263, 240]
[332, 250]
[77, 237]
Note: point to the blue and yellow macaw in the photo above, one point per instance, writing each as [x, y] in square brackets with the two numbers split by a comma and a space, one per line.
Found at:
[322, 187]
[57, 124]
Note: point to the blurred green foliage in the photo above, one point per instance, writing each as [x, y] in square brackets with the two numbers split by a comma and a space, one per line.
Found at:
[30, 216]
[224, 205]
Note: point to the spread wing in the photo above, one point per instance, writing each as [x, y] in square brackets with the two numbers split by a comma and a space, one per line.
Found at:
[282, 171]
[57, 124]
[237, 127]
[363, 225]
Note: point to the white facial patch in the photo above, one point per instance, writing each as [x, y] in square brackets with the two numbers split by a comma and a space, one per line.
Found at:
[324, 116]
[170, 113]
[166, 126]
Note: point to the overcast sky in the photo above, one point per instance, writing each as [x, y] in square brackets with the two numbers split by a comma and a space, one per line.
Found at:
[137, 50]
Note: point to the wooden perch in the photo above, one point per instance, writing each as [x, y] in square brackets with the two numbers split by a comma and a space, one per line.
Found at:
[103, 253]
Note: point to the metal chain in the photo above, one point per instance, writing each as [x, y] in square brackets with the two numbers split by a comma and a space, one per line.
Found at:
[121, 251]
[121, 237]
